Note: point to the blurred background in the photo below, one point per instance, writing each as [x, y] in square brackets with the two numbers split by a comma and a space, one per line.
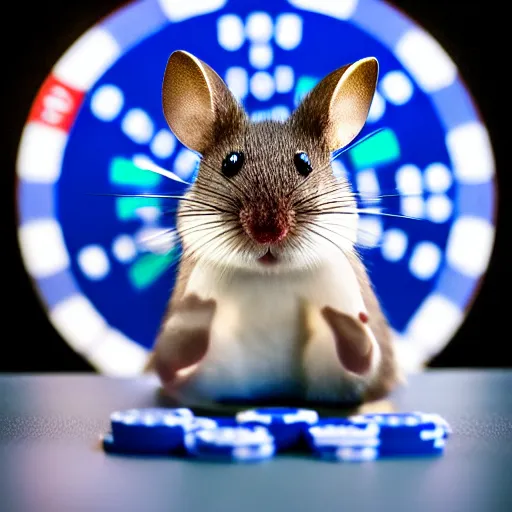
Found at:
[269, 60]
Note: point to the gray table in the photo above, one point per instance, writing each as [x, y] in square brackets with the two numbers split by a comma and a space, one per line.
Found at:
[50, 459]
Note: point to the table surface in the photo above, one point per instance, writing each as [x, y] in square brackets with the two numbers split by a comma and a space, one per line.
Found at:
[50, 458]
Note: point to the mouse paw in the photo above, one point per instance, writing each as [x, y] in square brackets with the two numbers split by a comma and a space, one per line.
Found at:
[185, 337]
[353, 344]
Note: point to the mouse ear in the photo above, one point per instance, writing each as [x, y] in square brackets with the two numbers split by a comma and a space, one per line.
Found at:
[337, 107]
[197, 104]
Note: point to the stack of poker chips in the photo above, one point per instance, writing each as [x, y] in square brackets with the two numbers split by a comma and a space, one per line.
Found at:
[260, 434]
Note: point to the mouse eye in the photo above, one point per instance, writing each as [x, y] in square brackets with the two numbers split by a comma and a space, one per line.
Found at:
[232, 164]
[302, 163]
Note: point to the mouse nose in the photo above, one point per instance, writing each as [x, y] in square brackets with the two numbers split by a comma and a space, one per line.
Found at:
[267, 233]
[265, 227]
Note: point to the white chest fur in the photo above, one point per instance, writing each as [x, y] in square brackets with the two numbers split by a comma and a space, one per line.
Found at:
[258, 333]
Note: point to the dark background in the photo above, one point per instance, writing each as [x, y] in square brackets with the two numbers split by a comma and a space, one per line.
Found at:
[477, 37]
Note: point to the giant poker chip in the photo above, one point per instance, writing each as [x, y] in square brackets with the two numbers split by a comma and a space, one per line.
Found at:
[103, 261]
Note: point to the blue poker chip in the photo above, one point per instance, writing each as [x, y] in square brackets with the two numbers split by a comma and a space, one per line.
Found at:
[406, 425]
[347, 453]
[335, 443]
[104, 266]
[231, 443]
[109, 446]
[152, 429]
[113, 446]
[287, 424]
[371, 436]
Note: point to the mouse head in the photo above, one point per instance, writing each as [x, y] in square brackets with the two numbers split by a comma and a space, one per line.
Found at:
[265, 198]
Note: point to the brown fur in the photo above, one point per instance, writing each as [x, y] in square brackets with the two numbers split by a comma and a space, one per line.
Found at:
[209, 120]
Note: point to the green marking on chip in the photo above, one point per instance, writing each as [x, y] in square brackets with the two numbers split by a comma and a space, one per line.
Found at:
[126, 207]
[304, 85]
[149, 267]
[125, 172]
[382, 148]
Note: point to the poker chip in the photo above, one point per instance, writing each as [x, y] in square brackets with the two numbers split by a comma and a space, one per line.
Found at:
[361, 453]
[372, 436]
[112, 446]
[287, 424]
[231, 443]
[258, 434]
[96, 163]
[153, 430]
[424, 425]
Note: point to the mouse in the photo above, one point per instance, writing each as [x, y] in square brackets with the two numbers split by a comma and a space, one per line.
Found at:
[272, 300]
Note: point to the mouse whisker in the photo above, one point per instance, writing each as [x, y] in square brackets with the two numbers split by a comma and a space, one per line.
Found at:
[297, 244]
[178, 212]
[355, 230]
[311, 256]
[384, 195]
[192, 207]
[191, 213]
[337, 233]
[338, 152]
[149, 196]
[357, 244]
[198, 214]
[322, 226]
[205, 204]
[224, 252]
[214, 202]
[166, 196]
[197, 251]
[231, 248]
[155, 236]
[190, 223]
[366, 198]
[311, 230]
[336, 200]
[333, 190]
[203, 226]
[365, 212]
